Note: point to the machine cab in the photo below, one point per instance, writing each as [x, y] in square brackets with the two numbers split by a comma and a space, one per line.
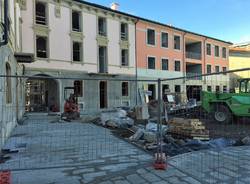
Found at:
[244, 85]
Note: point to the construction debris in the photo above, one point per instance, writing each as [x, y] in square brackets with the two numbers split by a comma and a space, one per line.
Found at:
[138, 134]
[188, 128]
[116, 118]
[246, 140]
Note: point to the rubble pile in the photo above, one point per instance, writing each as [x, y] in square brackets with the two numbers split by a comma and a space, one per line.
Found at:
[179, 135]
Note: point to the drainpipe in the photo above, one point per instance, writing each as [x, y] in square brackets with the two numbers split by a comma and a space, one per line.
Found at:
[184, 57]
[204, 57]
[6, 24]
[136, 72]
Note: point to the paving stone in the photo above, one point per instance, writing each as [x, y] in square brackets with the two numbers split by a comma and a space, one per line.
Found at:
[135, 179]
[161, 182]
[117, 178]
[228, 172]
[106, 182]
[219, 176]
[142, 171]
[150, 177]
[81, 171]
[173, 180]
[246, 179]
[122, 182]
[92, 176]
[191, 180]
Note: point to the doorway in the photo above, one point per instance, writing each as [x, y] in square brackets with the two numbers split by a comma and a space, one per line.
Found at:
[42, 95]
[151, 88]
[103, 94]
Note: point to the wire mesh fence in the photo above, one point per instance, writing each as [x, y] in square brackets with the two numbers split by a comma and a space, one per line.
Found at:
[200, 122]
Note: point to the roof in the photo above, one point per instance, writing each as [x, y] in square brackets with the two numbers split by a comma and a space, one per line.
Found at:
[148, 20]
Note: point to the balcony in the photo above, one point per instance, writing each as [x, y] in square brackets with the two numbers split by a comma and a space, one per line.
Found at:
[193, 55]
[193, 71]
[193, 49]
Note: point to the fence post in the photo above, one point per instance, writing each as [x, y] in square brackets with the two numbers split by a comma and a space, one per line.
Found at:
[160, 156]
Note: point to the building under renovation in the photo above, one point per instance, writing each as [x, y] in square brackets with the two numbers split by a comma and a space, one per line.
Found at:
[78, 40]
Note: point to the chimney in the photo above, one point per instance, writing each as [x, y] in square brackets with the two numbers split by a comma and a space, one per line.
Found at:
[114, 6]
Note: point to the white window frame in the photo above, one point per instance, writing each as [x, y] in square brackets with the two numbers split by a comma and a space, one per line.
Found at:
[147, 37]
[128, 88]
[176, 34]
[180, 65]
[215, 68]
[81, 20]
[149, 56]
[121, 57]
[218, 53]
[161, 39]
[168, 63]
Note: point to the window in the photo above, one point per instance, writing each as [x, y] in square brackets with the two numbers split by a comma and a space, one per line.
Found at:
[224, 69]
[209, 88]
[77, 51]
[177, 66]
[216, 51]
[165, 89]
[177, 88]
[76, 21]
[217, 88]
[164, 40]
[151, 37]
[177, 42]
[164, 64]
[217, 69]
[8, 84]
[224, 52]
[151, 63]
[41, 47]
[103, 68]
[124, 88]
[124, 58]
[209, 69]
[208, 49]
[224, 89]
[124, 31]
[78, 88]
[41, 13]
[102, 26]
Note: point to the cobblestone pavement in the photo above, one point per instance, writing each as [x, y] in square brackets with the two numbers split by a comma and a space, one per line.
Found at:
[77, 153]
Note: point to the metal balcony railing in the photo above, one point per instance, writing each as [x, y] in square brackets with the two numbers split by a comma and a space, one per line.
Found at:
[193, 55]
[194, 76]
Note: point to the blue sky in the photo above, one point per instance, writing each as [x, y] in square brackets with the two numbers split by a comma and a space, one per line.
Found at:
[228, 20]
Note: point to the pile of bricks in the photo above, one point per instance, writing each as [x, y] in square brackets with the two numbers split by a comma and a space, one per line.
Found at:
[188, 128]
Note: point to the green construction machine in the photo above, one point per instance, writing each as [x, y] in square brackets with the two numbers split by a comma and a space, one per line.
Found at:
[225, 106]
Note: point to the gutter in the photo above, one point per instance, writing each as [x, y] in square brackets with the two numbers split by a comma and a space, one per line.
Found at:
[6, 24]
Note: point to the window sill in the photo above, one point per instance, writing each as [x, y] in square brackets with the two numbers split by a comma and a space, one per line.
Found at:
[121, 66]
[149, 45]
[164, 47]
[177, 50]
[41, 58]
[77, 62]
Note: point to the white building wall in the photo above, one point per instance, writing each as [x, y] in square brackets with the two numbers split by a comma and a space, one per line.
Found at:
[60, 41]
[90, 43]
[27, 29]
[59, 38]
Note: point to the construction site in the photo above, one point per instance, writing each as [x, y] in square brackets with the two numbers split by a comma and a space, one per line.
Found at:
[92, 94]
[169, 135]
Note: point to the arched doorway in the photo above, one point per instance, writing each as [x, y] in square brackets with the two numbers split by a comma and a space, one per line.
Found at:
[42, 95]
